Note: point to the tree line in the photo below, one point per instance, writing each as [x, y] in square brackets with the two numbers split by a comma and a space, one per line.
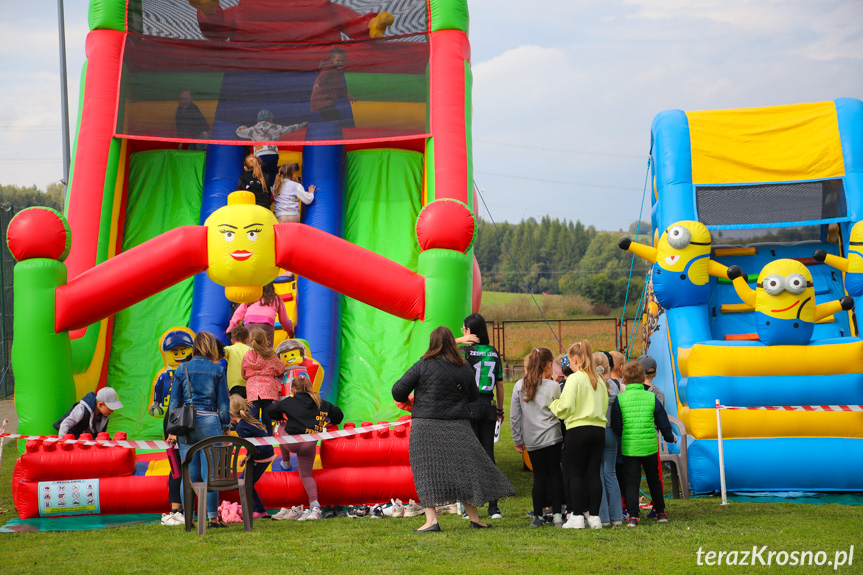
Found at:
[560, 257]
[19, 197]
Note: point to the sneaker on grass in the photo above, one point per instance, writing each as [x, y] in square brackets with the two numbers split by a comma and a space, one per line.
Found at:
[632, 522]
[662, 517]
[575, 521]
[413, 509]
[311, 514]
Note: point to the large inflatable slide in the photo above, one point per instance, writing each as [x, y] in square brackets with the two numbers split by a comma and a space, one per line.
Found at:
[380, 97]
[756, 266]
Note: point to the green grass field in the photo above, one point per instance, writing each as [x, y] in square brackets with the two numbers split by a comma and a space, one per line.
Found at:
[390, 545]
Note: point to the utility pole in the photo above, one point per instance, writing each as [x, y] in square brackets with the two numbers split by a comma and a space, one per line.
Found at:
[64, 95]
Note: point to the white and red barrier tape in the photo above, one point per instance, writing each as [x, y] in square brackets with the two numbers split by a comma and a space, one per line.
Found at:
[160, 444]
[794, 408]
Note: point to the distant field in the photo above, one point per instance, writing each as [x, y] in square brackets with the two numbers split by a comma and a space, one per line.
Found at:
[499, 306]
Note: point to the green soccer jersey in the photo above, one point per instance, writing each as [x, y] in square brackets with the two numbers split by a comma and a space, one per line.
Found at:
[486, 364]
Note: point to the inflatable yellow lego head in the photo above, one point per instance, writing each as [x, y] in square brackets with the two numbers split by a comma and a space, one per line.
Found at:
[241, 247]
[784, 291]
[685, 248]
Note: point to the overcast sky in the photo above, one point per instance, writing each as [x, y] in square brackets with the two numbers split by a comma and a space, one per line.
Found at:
[564, 91]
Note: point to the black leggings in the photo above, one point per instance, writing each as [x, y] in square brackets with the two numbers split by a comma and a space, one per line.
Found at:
[584, 447]
[259, 470]
[484, 430]
[547, 479]
[259, 410]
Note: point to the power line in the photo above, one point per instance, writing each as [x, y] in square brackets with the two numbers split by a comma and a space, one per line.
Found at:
[560, 150]
[11, 128]
[560, 182]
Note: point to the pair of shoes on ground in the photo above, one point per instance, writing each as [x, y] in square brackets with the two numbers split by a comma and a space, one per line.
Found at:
[413, 509]
[330, 511]
[396, 509]
[577, 521]
[359, 511]
[311, 514]
[173, 519]
[292, 514]
[660, 518]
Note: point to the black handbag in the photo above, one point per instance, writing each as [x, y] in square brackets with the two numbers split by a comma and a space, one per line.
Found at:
[183, 419]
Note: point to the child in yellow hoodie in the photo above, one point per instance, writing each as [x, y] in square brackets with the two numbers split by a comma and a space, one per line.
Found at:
[582, 406]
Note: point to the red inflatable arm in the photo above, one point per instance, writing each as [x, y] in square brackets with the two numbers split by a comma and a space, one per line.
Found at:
[357, 272]
[130, 277]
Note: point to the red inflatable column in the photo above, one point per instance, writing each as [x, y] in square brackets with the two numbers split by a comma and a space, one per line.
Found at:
[104, 59]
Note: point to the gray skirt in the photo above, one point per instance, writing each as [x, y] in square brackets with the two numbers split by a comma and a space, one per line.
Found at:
[449, 464]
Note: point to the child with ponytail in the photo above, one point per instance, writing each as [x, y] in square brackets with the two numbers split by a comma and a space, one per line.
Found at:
[289, 193]
[304, 412]
[582, 406]
[262, 369]
[249, 426]
[253, 180]
[536, 429]
[611, 508]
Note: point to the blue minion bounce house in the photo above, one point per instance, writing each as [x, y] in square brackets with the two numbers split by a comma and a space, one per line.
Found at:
[757, 253]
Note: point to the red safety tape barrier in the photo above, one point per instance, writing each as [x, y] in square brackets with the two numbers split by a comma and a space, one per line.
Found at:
[796, 408]
[160, 444]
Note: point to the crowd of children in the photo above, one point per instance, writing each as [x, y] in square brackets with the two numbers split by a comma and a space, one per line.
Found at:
[610, 411]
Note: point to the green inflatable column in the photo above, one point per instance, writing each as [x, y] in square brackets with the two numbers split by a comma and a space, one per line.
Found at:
[445, 230]
[39, 239]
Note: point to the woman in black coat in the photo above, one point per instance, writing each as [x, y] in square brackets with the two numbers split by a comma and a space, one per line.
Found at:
[447, 460]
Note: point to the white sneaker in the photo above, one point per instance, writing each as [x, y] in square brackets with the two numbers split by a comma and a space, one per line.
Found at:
[398, 509]
[616, 523]
[575, 521]
[291, 514]
[167, 517]
[173, 519]
[413, 509]
[594, 522]
[311, 514]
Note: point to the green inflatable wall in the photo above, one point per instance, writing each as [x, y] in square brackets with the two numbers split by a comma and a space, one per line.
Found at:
[383, 199]
[164, 193]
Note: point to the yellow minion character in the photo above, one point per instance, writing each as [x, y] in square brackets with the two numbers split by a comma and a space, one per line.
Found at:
[784, 302]
[852, 265]
[681, 264]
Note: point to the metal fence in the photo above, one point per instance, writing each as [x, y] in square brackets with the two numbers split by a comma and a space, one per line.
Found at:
[7, 262]
[516, 338]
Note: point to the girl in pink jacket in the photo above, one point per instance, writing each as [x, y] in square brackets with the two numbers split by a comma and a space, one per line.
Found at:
[263, 314]
[262, 369]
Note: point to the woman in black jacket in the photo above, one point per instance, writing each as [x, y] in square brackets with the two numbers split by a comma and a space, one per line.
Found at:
[447, 460]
